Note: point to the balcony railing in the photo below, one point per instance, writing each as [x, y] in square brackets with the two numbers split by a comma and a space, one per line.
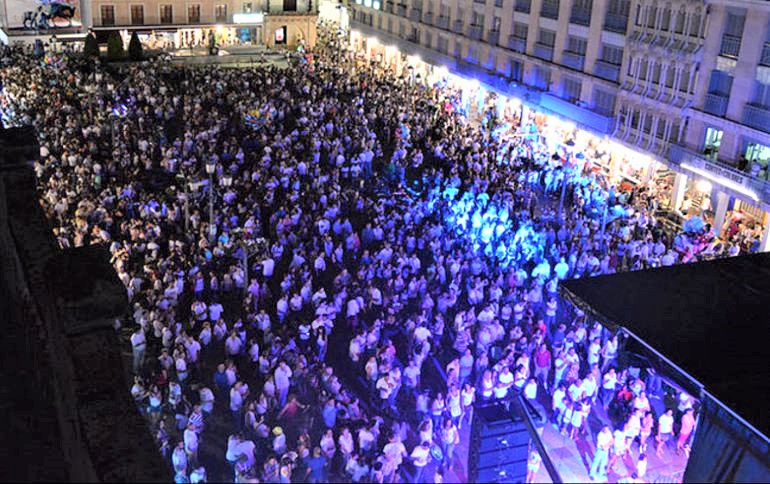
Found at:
[615, 22]
[523, 6]
[474, 32]
[543, 51]
[605, 70]
[415, 15]
[758, 117]
[580, 15]
[458, 27]
[573, 60]
[493, 37]
[765, 59]
[716, 104]
[442, 23]
[389, 7]
[401, 10]
[731, 45]
[679, 154]
[517, 44]
[550, 10]
[498, 3]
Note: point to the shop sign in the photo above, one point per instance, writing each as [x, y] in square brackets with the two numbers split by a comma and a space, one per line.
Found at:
[248, 18]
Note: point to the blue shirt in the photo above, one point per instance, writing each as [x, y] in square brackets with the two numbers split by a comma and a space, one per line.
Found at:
[317, 466]
[330, 416]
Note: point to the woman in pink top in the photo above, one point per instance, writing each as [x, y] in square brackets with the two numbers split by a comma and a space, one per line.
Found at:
[688, 424]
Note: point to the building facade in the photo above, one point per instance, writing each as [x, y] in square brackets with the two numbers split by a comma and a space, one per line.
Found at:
[673, 82]
[190, 23]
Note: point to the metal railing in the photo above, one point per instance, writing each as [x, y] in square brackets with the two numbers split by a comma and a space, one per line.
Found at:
[458, 27]
[415, 14]
[757, 116]
[442, 23]
[730, 46]
[474, 32]
[615, 22]
[428, 18]
[517, 44]
[607, 71]
[573, 60]
[493, 37]
[543, 51]
[716, 104]
[580, 15]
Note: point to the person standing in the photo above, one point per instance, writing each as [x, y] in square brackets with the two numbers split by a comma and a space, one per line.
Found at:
[450, 437]
[282, 382]
[420, 456]
[688, 424]
[138, 345]
[601, 457]
[665, 430]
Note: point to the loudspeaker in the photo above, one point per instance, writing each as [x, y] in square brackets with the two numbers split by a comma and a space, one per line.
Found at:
[514, 472]
[499, 445]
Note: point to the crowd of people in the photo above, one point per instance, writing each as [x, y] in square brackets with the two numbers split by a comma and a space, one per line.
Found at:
[372, 266]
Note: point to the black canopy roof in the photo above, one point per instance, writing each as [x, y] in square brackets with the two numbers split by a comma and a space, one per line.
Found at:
[712, 319]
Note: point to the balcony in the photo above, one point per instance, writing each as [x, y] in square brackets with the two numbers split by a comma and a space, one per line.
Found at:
[442, 23]
[389, 7]
[580, 16]
[523, 6]
[550, 10]
[458, 27]
[730, 47]
[401, 10]
[498, 3]
[493, 37]
[615, 22]
[573, 60]
[765, 59]
[543, 51]
[415, 15]
[474, 32]
[679, 155]
[517, 44]
[716, 104]
[757, 116]
[428, 18]
[607, 71]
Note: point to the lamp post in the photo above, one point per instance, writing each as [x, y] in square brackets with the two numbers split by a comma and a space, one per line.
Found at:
[210, 169]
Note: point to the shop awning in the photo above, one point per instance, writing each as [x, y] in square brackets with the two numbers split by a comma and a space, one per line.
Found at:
[710, 319]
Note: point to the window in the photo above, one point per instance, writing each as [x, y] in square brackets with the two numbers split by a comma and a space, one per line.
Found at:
[194, 14]
[758, 152]
[665, 20]
[523, 6]
[443, 10]
[652, 12]
[473, 54]
[478, 19]
[166, 14]
[571, 89]
[720, 83]
[517, 70]
[604, 102]
[443, 45]
[248, 7]
[581, 12]
[401, 30]
[458, 49]
[734, 24]
[108, 15]
[496, 21]
[550, 9]
[137, 14]
[520, 30]
[612, 55]
[542, 79]
[679, 23]
[220, 13]
[428, 39]
[576, 45]
[616, 19]
[695, 26]
[712, 142]
[547, 37]
[761, 96]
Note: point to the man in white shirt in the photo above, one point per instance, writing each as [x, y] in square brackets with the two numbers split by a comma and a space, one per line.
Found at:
[138, 345]
[420, 457]
[191, 444]
[601, 457]
[665, 430]
[282, 376]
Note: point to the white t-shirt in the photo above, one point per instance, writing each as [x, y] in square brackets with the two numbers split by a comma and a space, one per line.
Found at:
[420, 456]
[665, 424]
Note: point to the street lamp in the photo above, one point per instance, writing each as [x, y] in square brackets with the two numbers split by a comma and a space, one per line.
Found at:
[210, 169]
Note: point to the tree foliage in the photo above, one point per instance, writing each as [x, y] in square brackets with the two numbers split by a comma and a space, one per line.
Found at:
[91, 48]
[135, 48]
[115, 50]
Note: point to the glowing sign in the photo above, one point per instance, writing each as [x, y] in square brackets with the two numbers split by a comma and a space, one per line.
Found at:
[249, 18]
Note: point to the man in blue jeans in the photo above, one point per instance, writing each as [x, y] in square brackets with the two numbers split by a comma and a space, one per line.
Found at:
[603, 444]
